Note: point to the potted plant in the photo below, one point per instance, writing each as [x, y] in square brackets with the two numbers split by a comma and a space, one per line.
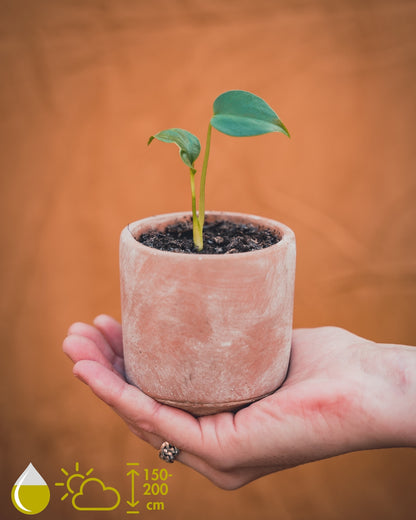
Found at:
[207, 297]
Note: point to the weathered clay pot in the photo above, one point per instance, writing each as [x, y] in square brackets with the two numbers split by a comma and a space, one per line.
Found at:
[206, 333]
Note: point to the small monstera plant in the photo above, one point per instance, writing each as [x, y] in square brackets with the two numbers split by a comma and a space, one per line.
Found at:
[237, 113]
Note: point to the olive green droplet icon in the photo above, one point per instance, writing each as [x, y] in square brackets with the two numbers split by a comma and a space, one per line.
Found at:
[30, 493]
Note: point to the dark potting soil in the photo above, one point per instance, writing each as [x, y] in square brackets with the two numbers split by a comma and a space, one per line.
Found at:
[220, 237]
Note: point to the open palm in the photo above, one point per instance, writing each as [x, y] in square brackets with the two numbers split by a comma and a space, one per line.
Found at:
[318, 412]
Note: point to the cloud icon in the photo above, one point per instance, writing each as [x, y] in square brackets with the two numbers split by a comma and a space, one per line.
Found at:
[107, 495]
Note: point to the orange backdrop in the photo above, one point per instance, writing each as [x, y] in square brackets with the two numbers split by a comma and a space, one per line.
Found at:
[83, 85]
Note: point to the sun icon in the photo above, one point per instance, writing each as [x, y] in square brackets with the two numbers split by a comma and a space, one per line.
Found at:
[70, 478]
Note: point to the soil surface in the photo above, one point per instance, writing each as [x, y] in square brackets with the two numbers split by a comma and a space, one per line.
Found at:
[220, 237]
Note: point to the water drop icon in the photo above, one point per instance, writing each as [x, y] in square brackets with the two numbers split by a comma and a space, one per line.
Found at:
[30, 493]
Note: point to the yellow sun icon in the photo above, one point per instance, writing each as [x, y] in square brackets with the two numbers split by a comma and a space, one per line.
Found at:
[71, 488]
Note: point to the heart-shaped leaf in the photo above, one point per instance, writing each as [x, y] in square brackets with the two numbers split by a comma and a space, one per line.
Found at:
[189, 146]
[242, 114]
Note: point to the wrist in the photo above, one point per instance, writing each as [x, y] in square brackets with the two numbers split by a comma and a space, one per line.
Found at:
[394, 395]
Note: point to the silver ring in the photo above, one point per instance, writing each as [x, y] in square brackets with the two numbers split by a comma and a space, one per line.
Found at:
[168, 452]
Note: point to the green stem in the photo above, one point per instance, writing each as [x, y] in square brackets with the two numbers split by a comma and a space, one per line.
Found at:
[197, 229]
[201, 214]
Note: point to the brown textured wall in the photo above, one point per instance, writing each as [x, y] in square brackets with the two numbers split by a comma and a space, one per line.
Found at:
[83, 84]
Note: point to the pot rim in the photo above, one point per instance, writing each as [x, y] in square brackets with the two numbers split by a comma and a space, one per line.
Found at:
[286, 234]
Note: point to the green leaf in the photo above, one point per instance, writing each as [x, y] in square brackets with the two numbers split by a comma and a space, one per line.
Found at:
[242, 114]
[189, 146]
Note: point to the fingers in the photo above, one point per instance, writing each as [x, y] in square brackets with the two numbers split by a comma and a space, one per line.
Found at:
[89, 343]
[78, 347]
[111, 330]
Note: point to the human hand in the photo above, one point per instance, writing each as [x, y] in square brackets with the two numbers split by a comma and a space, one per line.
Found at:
[342, 393]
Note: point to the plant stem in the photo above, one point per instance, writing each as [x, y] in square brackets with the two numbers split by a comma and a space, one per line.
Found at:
[201, 213]
[197, 229]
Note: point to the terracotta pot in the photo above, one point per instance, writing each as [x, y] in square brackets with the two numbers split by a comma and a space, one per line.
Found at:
[206, 333]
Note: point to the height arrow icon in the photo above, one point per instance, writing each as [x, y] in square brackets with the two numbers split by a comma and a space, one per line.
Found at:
[132, 503]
